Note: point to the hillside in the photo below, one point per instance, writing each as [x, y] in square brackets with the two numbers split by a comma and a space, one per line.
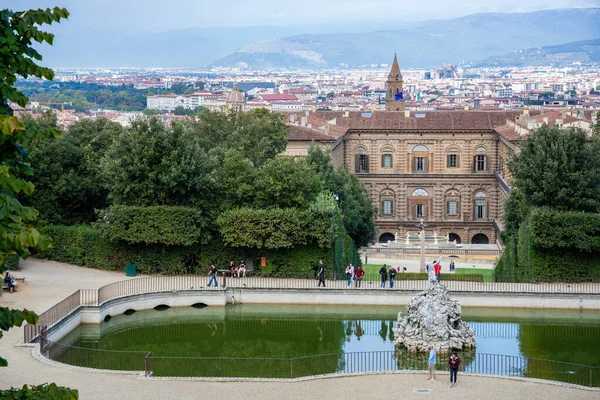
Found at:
[585, 51]
[466, 39]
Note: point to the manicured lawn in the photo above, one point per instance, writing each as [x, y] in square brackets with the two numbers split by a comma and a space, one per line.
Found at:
[475, 271]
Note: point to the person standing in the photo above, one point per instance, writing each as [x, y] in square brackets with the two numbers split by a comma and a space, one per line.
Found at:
[437, 268]
[392, 274]
[358, 276]
[349, 275]
[454, 363]
[432, 361]
[213, 276]
[383, 273]
[321, 273]
[451, 266]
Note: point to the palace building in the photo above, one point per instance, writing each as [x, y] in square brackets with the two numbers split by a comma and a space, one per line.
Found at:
[446, 167]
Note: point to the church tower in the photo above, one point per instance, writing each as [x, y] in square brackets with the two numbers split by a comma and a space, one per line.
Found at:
[394, 99]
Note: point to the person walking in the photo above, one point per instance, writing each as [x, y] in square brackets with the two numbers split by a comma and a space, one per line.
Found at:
[454, 363]
[437, 268]
[358, 276]
[321, 273]
[432, 361]
[213, 276]
[392, 274]
[383, 273]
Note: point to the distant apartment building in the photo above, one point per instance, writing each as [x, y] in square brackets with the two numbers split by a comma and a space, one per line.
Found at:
[169, 102]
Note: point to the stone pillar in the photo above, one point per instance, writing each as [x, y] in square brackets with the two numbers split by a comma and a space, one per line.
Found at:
[422, 256]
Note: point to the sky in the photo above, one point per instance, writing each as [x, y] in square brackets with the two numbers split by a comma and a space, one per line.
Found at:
[161, 15]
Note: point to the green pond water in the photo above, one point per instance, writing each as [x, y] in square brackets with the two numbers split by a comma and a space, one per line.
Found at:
[284, 332]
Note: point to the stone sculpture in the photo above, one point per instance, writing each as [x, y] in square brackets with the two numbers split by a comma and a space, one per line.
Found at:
[433, 319]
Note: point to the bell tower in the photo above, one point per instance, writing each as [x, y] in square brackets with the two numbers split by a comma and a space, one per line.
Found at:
[394, 99]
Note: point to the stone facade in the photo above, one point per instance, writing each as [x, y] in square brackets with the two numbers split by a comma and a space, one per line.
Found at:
[446, 177]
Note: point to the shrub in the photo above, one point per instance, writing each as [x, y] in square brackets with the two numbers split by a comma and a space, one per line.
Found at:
[552, 229]
[12, 262]
[171, 226]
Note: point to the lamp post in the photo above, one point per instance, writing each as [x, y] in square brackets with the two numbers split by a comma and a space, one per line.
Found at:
[336, 198]
[422, 226]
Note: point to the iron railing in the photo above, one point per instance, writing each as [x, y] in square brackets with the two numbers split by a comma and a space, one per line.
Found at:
[315, 365]
[403, 282]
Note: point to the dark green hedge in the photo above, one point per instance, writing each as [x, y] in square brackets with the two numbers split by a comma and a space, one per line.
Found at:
[274, 228]
[552, 229]
[165, 225]
[86, 246]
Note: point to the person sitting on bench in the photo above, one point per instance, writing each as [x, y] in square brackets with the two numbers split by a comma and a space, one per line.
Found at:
[10, 282]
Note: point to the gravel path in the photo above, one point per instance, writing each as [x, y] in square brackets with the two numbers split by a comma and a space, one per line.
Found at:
[49, 282]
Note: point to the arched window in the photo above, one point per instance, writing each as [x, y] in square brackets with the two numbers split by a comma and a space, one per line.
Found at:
[480, 206]
[420, 158]
[361, 160]
[420, 193]
[420, 149]
[480, 149]
[453, 236]
[480, 238]
[420, 205]
[387, 237]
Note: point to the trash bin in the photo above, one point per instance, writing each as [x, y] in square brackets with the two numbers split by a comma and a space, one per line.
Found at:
[130, 270]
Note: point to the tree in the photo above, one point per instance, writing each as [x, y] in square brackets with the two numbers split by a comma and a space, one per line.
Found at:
[596, 126]
[286, 182]
[17, 234]
[559, 168]
[357, 210]
[149, 164]
[69, 183]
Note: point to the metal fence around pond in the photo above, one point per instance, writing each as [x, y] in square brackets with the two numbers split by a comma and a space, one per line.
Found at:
[403, 282]
[316, 365]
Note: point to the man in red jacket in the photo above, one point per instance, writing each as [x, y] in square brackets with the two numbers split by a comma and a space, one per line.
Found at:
[453, 362]
[437, 268]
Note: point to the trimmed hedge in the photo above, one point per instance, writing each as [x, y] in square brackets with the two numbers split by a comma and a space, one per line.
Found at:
[12, 261]
[85, 246]
[166, 225]
[568, 229]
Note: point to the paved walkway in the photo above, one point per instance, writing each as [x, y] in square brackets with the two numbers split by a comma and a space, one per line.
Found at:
[49, 282]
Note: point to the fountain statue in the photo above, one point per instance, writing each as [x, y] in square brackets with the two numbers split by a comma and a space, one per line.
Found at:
[433, 319]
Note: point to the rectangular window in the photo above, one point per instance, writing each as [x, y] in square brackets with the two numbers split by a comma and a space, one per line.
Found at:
[452, 207]
[480, 163]
[480, 211]
[363, 164]
[387, 161]
[420, 210]
[420, 164]
[387, 207]
[452, 161]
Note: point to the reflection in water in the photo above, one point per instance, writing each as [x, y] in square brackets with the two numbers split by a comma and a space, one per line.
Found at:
[336, 333]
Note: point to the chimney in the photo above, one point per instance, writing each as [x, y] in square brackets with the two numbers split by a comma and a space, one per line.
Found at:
[466, 107]
[476, 104]
[303, 121]
[526, 111]
[293, 118]
[546, 120]
[558, 122]
[346, 114]
[327, 129]
[406, 113]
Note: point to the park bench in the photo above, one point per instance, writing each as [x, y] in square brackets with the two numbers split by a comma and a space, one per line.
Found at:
[20, 281]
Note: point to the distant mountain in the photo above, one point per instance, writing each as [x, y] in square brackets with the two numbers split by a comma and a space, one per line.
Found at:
[585, 51]
[194, 47]
[459, 40]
